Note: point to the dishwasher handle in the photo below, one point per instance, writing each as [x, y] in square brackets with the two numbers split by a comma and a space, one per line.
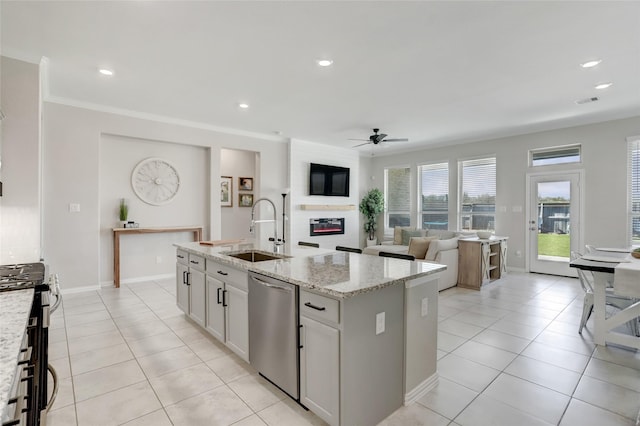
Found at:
[274, 286]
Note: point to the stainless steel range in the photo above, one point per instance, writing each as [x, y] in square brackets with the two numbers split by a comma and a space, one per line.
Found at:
[33, 276]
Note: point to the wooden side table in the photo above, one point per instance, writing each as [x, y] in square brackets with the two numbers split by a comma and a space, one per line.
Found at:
[197, 236]
[481, 261]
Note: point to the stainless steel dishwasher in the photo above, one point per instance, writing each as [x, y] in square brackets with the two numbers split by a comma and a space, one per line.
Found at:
[273, 332]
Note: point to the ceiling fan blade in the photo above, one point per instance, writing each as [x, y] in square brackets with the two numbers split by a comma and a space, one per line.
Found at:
[363, 140]
[362, 144]
[381, 136]
[396, 140]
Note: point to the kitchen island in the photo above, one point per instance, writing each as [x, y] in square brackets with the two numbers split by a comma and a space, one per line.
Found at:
[368, 325]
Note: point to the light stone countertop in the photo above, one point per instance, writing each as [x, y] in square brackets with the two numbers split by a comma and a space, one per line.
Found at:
[15, 307]
[336, 273]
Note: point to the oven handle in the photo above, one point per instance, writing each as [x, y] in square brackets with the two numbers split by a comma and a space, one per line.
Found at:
[54, 283]
[54, 392]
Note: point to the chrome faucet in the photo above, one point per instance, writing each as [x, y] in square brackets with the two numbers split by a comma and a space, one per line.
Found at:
[276, 241]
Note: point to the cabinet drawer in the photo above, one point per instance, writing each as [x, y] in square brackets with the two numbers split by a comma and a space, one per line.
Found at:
[320, 307]
[182, 257]
[228, 274]
[196, 262]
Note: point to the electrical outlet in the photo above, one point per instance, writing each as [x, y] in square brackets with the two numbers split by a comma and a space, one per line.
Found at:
[380, 323]
[158, 259]
[425, 307]
[74, 208]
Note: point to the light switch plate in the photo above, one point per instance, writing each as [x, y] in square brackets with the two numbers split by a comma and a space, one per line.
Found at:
[380, 323]
[74, 207]
[425, 307]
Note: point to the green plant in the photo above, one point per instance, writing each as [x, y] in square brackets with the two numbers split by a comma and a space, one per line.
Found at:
[371, 206]
[124, 209]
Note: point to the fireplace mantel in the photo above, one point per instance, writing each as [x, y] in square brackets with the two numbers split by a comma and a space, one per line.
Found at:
[327, 207]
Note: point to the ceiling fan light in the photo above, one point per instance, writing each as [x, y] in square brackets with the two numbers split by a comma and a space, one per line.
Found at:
[324, 62]
[243, 105]
[105, 71]
[591, 64]
[603, 85]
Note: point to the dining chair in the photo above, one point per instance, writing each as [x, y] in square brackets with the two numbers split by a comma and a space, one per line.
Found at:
[397, 255]
[304, 243]
[349, 249]
[612, 299]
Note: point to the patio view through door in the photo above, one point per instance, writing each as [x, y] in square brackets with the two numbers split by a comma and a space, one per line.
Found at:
[553, 221]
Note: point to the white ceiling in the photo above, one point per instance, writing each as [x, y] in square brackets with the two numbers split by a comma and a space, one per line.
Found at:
[434, 72]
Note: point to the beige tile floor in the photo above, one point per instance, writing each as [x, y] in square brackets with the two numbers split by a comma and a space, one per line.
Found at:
[509, 355]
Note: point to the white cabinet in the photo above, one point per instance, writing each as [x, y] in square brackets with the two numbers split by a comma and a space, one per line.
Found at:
[228, 307]
[237, 320]
[215, 308]
[182, 287]
[320, 356]
[190, 285]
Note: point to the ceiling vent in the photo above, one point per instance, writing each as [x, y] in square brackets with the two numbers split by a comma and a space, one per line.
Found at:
[587, 100]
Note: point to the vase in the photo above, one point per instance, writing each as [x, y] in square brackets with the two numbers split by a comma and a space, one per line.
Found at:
[372, 242]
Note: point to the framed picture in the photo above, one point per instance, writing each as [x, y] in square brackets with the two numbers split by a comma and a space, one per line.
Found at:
[245, 200]
[245, 184]
[226, 191]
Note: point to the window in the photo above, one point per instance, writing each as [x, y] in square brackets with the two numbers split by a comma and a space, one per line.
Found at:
[397, 197]
[434, 196]
[633, 173]
[557, 155]
[478, 194]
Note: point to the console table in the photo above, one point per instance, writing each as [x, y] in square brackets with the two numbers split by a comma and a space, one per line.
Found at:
[197, 236]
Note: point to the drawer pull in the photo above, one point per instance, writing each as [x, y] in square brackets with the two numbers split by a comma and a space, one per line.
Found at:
[223, 273]
[317, 308]
[180, 256]
[194, 262]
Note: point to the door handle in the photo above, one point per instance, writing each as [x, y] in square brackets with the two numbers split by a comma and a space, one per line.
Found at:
[224, 298]
[188, 275]
[218, 296]
[184, 277]
[317, 308]
[300, 346]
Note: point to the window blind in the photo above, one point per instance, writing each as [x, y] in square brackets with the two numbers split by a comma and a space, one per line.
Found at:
[633, 179]
[397, 196]
[434, 200]
[478, 194]
[559, 155]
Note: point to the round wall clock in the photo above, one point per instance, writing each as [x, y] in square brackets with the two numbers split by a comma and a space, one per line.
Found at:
[155, 181]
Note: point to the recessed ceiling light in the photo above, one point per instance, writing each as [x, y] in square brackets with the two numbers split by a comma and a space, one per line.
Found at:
[105, 71]
[591, 64]
[603, 85]
[325, 62]
[243, 105]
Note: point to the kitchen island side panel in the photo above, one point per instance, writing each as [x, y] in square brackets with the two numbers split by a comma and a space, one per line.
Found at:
[371, 376]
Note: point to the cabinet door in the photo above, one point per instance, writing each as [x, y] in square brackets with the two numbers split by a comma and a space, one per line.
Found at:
[196, 296]
[215, 310]
[182, 289]
[237, 320]
[319, 369]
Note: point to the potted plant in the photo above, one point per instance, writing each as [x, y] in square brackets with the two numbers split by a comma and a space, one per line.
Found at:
[371, 206]
[124, 211]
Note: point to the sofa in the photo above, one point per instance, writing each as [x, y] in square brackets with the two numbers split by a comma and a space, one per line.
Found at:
[441, 247]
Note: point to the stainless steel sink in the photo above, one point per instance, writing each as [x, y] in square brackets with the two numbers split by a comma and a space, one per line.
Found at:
[256, 256]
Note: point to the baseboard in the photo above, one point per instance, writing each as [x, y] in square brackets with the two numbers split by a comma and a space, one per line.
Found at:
[138, 279]
[421, 390]
[83, 289]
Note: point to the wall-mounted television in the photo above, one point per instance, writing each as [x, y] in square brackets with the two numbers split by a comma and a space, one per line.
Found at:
[332, 181]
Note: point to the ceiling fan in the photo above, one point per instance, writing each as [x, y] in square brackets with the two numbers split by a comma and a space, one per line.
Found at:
[376, 138]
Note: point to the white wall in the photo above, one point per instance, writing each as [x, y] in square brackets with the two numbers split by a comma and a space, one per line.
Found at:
[302, 154]
[72, 143]
[235, 219]
[149, 254]
[604, 149]
[20, 155]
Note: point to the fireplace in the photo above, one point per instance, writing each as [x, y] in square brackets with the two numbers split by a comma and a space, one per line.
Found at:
[326, 226]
